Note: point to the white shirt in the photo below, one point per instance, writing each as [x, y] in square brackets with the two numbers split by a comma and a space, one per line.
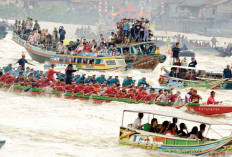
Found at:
[162, 98]
[184, 63]
[137, 123]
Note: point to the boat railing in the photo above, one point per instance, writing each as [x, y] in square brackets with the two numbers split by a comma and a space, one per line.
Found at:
[175, 138]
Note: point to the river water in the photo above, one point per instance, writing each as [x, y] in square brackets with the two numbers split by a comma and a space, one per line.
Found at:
[51, 127]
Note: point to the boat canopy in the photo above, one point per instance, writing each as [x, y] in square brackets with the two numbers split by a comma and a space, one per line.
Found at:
[183, 116]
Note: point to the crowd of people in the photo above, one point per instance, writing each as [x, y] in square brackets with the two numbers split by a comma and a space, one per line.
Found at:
[129, 30]
[171, 129]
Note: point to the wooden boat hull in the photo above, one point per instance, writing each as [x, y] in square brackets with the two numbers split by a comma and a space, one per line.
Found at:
[166, 144]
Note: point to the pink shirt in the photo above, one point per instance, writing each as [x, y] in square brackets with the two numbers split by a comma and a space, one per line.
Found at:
[211, 101]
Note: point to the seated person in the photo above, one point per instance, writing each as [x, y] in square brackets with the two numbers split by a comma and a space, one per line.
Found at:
[193, 133]
[171, 130]
[173, 72]
[138, 122]
[181, 132]
[162, 129]
[154, 125]
[200, 133]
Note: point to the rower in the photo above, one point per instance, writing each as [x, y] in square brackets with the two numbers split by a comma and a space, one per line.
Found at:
[142, 82]
[150, 97]
[195, 98]
[141, 96]
[101, 79]
[187, 96]
[175, 98]
[128, 81]
[211, 99]
[111, 92]
[138, 122]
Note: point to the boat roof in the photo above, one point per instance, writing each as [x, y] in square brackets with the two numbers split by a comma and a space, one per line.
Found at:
[183, 116]
[183, 67]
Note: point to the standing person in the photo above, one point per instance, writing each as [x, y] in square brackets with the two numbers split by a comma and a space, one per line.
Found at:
[146, 31]
[22, 62]
[193, 63]
[227, 73]
[214, 42]
[50, 73]
[69, 74]
[125, 27]
[55, 36]
[176, 52]
[36, 25]
[62, 33]
[211, 100]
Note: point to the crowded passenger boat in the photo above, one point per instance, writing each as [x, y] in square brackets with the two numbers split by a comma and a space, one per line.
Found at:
[168, 136]
[131, 41]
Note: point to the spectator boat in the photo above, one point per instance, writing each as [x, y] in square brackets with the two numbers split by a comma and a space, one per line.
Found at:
[171, 144]
[136, 62]
[193, 77]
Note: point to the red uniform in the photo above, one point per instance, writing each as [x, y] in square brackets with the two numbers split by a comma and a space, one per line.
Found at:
[59, 87]
[44, 83]
[111, 92]
[212, 101]
[87, 90]
[122, 95]
[150, 97]
[9, 80]
[172, 98]
[78, 89]
[140, 96]
[132, 94]
[4, 77]
[50, 74]
[69, 88]
[194, 98]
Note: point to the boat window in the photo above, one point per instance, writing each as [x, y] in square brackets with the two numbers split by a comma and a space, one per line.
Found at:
[133, 50]
[110, 62]
[91, 61]
[99, 61]
[79, 60]
[61, 59]
[121, 62]
[85, 61]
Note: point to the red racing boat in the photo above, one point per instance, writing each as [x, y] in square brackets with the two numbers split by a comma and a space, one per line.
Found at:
[209, 109]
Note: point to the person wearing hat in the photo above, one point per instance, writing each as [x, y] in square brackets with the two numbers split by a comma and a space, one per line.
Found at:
[77, 78]
[101, 79]
[128, 81]
[108, 81]
[115, 81]
[211, 100]
[93, 79]
[69, 74]
[87, 80]
[194, 98]
[227, 73]
[8, 67]
[51, 72]
[187, 96]
[23, 61]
